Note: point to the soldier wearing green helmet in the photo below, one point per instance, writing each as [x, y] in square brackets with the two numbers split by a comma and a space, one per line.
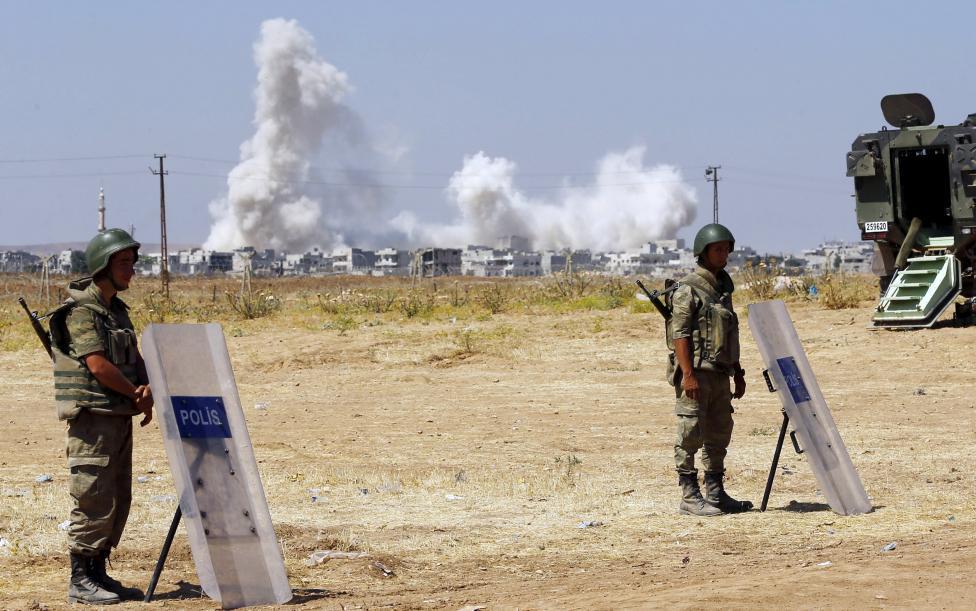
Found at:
[703, 336]
[100, 383]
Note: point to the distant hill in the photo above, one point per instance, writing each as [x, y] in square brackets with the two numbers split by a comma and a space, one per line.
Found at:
[55, 247]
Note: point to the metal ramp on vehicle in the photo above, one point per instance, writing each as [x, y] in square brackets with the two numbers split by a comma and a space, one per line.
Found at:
[920, 293]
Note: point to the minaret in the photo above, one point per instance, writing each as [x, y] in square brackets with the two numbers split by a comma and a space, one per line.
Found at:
[101, 209]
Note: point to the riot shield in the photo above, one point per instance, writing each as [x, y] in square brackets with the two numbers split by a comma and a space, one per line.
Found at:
[790, 373]
[225, 512]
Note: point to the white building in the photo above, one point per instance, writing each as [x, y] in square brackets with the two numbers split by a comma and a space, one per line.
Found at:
[352, 261]
[68, 263]
[200, 262]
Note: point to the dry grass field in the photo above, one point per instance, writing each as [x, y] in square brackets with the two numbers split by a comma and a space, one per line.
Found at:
[459, 434]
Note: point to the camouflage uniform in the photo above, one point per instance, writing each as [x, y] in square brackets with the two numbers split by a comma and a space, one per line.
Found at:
[702, 312]
[99, 436]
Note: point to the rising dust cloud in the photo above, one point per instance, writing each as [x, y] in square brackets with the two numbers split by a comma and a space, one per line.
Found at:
[270, 203]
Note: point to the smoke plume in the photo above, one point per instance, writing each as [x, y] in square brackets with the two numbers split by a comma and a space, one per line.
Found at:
[626, 205]
[270, 200]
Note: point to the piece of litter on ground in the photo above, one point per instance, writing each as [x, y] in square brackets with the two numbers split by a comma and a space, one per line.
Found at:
[4, 542]
[919, 392]
[324, 555]
[826, 564]
[453, 497]
[142, 479]
[589, 524]
[64, 525]
[382, 569]
[44, 477]
[163, 498]
[891, 546]
[881, 597]
[262, 405]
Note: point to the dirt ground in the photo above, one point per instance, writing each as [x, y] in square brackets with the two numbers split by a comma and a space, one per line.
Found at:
[466, 460]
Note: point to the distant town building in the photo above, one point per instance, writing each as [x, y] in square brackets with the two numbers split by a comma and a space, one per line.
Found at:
[200, 262]
[510, 257]
[430, 262]
[19, 262]
[68, 263]
[352, 261]
[391, 262]
[833, 257]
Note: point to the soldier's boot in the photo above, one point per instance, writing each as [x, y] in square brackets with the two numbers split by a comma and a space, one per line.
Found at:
[82, 588]
[692, 503]
[112, 585]
[716, 496]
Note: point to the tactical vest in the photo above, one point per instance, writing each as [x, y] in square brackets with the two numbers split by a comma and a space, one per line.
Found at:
[75, 388]
[715, 327]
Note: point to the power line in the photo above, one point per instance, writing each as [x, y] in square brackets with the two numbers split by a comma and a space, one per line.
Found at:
[324, 183]
[62, 159]
[521, 174]
[67, 175]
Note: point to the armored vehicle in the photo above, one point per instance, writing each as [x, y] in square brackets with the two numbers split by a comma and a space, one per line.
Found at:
[915, 188]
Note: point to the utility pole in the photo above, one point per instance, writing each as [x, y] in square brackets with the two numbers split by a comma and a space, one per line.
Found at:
[711, 175]
[163, 249]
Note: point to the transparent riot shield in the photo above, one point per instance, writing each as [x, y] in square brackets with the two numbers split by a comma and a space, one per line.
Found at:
[225, 512]
[790, 373]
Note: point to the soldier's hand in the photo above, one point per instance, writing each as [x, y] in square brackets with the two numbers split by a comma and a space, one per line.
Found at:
[689, 384]
[740, 386]
[144, 403]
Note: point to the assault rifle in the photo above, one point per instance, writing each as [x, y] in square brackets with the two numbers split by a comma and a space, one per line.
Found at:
[35, 321]
[655, 296]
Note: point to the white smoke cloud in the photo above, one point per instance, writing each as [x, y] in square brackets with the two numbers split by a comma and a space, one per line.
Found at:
[270, 201]
[626, 205]
[276, 199]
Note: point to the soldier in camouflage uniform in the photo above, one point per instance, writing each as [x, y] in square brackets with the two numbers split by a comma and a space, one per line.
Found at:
[100, 384]
[703, 335]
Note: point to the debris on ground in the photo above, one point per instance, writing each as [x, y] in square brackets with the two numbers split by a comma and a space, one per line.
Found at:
[64, 525]
[826, 564]
[589, 524]
[321, 556]
[382, 569]
[43, 478]
[890, 547]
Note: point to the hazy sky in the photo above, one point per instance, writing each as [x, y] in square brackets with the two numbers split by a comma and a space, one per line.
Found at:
[775, 93]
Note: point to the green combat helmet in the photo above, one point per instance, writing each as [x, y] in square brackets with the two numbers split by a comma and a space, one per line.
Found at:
[711, 233]
[105, 244]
